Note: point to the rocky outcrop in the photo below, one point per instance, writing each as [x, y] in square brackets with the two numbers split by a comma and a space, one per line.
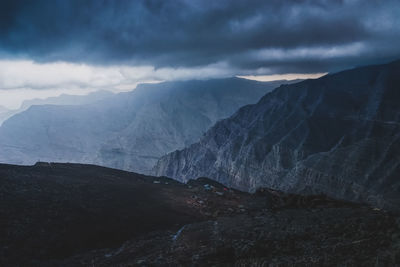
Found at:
[338, 135]
[127, 131]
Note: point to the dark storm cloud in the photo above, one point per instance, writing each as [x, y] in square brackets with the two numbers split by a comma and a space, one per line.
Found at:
[282, 36]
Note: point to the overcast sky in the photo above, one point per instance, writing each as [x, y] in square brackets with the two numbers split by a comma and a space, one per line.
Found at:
[79, 46]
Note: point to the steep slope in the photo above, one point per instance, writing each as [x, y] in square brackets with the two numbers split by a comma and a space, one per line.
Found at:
[127, 131]
[338, 135]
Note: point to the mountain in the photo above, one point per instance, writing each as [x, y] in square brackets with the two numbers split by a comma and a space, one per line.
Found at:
[66, 99]
[130, 130]
[338, 135]
[54, 214]
[63, 99]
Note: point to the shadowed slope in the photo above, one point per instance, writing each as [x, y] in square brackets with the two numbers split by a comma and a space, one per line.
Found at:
[338, 135]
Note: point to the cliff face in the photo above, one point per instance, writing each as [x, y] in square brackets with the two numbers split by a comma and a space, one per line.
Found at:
[338, 135]
[127, 131]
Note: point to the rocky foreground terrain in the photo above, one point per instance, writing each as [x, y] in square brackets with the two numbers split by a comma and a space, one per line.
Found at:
[84, 215]
[338, 135]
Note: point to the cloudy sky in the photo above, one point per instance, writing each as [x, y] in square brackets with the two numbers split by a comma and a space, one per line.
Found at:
[48, 47]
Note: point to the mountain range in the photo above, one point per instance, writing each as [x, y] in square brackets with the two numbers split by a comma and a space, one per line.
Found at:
[305, 153]
[128, 131]
[338, 135]
[63, 99]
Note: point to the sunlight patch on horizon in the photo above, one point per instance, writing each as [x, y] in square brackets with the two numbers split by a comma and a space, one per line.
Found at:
[287, 76]
[26, 79]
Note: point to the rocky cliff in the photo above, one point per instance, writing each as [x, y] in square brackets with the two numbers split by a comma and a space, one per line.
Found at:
[338, 135]
[130, 130]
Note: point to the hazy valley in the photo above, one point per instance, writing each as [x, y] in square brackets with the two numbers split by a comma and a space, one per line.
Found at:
[128, 131]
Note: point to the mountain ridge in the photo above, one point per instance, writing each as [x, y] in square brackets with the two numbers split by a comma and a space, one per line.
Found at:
[336, 135]
[130, 130]
[63, 99]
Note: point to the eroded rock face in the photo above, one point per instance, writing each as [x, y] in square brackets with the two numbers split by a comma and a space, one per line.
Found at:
[338, 135]
[128, 131]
